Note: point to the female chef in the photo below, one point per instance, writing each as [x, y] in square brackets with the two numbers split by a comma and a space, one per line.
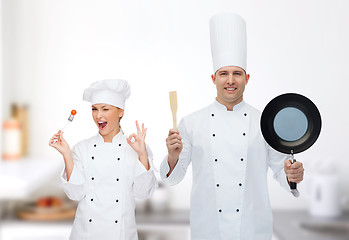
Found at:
[107, 171]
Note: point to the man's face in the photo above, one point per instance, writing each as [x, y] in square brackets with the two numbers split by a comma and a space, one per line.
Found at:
[230, 83]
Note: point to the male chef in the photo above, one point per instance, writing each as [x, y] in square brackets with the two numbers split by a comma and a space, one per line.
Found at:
[230, 157]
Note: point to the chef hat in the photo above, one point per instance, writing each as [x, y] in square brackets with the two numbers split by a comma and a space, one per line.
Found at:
[110, 91]
[228, 40]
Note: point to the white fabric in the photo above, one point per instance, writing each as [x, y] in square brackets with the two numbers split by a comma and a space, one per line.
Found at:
[228, 149]
[110, 91]
[112, 179]
[228, 41]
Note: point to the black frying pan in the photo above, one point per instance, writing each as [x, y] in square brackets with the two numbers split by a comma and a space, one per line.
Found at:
[290, 124]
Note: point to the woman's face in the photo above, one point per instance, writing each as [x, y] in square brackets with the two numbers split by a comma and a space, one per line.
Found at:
[107, 118]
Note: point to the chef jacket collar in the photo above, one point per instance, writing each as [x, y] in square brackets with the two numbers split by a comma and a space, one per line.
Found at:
[237, 107]
[116, 138]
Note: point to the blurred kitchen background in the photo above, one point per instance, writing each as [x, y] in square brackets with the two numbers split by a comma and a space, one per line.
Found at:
[53, 49]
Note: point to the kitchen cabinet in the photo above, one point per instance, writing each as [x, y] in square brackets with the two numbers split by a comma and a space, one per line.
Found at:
[298, 224]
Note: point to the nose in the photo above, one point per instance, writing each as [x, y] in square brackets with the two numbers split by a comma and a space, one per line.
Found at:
[99, 114]
[230, 80]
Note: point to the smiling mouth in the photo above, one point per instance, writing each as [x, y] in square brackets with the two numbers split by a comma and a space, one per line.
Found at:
[230, 89]
[102, 125]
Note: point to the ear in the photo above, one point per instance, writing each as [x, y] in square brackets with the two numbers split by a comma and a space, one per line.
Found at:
[247, 78]
[213, 79]
[121, 113]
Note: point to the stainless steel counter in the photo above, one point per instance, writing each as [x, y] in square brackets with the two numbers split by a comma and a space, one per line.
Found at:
[290, 225]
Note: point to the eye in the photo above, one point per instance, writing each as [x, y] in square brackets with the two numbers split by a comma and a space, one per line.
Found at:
[223, 73]
[94, 109]
[238, 73]
[106, 109]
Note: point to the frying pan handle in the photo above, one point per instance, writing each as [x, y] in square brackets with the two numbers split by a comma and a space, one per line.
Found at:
[293, 185]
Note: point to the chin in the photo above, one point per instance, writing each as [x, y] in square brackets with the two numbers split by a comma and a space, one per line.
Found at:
[103, 132]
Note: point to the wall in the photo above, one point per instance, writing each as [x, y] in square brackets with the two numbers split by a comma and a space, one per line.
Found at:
[54, 49]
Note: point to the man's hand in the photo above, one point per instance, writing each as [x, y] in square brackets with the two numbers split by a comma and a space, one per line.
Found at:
[294, 172]
[174, 147]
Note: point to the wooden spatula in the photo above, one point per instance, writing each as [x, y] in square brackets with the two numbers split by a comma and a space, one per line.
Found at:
[173, 104]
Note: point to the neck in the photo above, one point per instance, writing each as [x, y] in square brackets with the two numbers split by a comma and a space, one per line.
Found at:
[229, 105]
[109, 137]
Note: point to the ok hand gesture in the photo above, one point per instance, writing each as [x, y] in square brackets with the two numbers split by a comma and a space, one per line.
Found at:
[137, 142]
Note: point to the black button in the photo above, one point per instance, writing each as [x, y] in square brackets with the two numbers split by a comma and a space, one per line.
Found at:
[95, 145]
[220, 210]
[93, 158]
[245, 114]
[119, 144]
[90, 220]
[242, 159]
[240, 184]
[93, 178]
[117, 179]
[216, 160]
[116, 221]
[214, 135]
[244, 134]
[117, 200]
[217, 185]
[118, 159]
[237, 210]
[91, 199]
[212, 115]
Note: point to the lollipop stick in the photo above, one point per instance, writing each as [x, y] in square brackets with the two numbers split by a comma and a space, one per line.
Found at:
[65, 126]
[70, 119]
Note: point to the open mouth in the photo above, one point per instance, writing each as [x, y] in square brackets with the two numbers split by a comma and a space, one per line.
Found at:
[102, 125]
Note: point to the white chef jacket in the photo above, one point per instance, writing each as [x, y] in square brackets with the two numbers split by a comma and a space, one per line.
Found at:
[105, 180]
[229, 198]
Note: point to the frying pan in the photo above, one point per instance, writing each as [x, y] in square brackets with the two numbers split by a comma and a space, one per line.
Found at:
[291, 123]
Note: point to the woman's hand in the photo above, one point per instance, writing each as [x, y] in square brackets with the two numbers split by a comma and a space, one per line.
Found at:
[137, 142]
[59, 143]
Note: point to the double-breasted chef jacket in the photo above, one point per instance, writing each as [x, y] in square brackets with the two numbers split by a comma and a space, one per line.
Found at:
[105, 180]
[230, 160]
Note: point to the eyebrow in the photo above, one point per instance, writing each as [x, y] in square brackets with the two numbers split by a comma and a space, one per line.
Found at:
[235, 71]
[103, 106]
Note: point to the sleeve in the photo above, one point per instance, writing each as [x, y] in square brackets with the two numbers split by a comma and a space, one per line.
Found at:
[144, 182]
[276, 163]
[74, 188]
[183, 162]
